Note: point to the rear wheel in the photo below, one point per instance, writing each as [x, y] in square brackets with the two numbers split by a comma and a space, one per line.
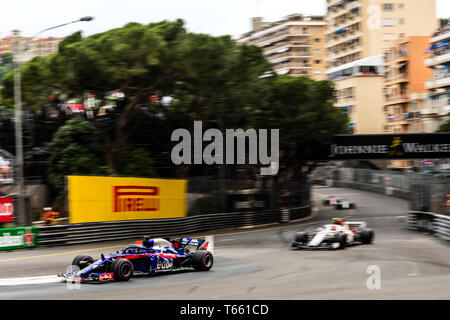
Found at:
[123, 269]
[202, 260]
[82, 261]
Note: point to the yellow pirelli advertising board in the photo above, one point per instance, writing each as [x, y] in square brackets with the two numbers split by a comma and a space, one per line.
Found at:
[97, 199]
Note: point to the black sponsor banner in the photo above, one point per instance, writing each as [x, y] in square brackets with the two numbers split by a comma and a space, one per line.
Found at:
[386, 146]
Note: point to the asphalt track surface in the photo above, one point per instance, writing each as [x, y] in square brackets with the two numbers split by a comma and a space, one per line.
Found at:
[257, 263]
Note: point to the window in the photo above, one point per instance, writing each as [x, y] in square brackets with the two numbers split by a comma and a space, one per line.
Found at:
[317, 61]
[401, 5]
[401, 35]
[316, 50]
[388, 22]
[317, 39]
[388, 36]
[401, 21]
[388, 6]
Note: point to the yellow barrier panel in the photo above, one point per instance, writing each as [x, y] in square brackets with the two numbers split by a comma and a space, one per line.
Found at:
[96, 199]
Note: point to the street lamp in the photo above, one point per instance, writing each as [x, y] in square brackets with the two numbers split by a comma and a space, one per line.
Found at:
[23, 218]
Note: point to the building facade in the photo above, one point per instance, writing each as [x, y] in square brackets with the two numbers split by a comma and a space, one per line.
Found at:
[294, 45]
[360, 29]
[356, 86]
[438, 108]
[404, 84]
[27, 46]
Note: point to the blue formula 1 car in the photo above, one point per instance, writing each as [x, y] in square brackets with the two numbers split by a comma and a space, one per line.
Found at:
[154, 255]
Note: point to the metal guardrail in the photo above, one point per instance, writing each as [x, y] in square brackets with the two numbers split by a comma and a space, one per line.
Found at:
[109, 231]
[436, 224]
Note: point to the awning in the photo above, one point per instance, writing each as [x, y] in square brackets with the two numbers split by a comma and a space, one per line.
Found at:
[441, 44]
[341, 30]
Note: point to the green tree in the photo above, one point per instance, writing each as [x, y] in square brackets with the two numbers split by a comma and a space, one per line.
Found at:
[75, 150]
[211, 78]
[445, 127]
[134, 161]
[303, 111]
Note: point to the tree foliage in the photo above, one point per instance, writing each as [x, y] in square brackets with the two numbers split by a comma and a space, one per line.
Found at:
[444, 127]
[75, 150]
[212, 79]
[303, 111]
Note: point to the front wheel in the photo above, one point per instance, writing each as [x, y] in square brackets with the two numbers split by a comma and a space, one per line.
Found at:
[367, 236]
[341, 239]
[123, 269]
[82, 261]
[202, 260]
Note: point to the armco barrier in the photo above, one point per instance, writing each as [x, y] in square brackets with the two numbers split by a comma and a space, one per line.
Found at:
[395, 192]
[119, 230]
[437, 224]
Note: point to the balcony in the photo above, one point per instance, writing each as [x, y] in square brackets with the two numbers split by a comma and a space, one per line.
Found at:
[399, 119]
[293, 65]
[289, 55]
[442, 36]
[437, 60]
[398, 78]
[431, 84]
[397, 99]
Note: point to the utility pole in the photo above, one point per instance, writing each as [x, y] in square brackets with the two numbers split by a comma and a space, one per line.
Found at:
[22, 216]
[24, 219]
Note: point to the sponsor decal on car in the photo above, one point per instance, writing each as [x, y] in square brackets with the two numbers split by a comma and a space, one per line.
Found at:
[106, 276]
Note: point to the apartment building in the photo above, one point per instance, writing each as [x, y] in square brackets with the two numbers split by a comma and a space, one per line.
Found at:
[404, 84]
[294, 45]
[27, 46]
[360, 29]
[357, 85]
[438, 108]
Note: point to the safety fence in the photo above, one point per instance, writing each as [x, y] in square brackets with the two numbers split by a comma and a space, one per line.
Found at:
[436, 224]
[110, 231]
[428, 195]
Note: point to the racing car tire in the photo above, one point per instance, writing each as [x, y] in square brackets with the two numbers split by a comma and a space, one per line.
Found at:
[301, 237]
[367, 236]
[352, 206]
[202, 260]
[338, 207]
[123, 269]
[82, 261]
[341, 239]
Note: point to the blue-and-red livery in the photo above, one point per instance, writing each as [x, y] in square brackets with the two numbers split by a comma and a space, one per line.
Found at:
[152, 256]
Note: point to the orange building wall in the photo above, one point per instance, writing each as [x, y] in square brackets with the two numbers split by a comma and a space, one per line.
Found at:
[419, 73]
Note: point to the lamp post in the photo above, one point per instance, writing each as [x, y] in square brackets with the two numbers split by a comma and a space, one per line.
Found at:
[23, 218]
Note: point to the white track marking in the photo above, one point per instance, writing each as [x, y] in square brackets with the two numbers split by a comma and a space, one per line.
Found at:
[30, 280]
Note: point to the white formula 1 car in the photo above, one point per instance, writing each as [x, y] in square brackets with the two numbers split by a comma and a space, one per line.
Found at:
[338, 235]
[338, 204]
[344, 204]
